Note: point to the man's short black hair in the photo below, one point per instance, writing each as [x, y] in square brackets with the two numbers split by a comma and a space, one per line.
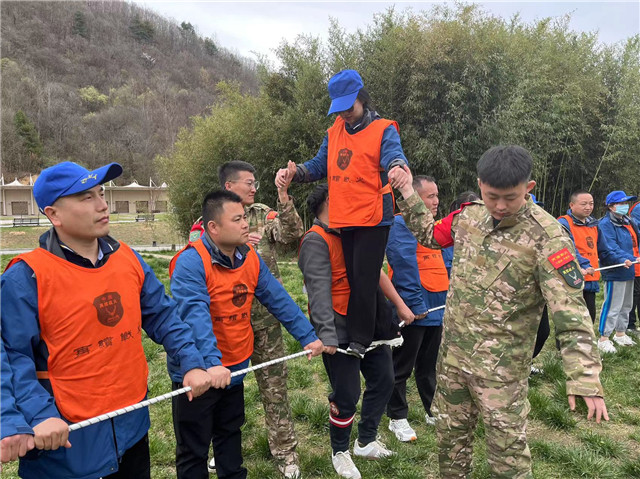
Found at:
[575, 194]
[417, 181]
[465, 197]
[229, 170]
[505, 166]
[214, 202]
[316, 198]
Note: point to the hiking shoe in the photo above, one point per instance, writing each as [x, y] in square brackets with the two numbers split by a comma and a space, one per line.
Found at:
[290, 471]
[624, 340]
[374, 450]
[212, 466]
[535, 370]
[606, 346]
[357, 350]
[392, 343]
[402, 430]
[430, 420]
[344, 466]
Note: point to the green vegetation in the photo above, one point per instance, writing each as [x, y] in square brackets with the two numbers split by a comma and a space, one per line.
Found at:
[563, 444]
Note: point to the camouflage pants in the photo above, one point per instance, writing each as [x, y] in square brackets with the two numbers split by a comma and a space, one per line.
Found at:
[272, 383]
[504, 407]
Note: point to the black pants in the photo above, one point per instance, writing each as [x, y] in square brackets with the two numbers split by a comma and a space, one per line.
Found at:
[635, 309]
[344, 375]
[218, 414]
[419, 351]
[590, 299]
[135, 462]
[363, 250]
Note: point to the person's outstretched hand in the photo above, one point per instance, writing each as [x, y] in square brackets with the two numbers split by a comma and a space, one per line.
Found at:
[595, 405]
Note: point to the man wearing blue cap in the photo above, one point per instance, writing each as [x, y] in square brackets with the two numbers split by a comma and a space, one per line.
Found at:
[356, 156]
[621, 233]
[73, 311]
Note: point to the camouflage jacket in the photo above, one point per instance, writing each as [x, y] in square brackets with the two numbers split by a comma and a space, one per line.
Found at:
[281, 226]
[500, 280]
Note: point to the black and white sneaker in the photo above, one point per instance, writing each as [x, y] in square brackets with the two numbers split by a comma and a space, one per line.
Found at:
[357, 350]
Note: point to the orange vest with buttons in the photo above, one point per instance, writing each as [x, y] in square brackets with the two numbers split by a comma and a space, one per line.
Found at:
[586, 240]
[91, 322]
[353, 174]
[340, 289]
[231, 292]
[636, 250]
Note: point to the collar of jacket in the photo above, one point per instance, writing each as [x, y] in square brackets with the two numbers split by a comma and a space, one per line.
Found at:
[589, 221]
[218, 257]
[367, 118]
[619, 220]
[50, 242]
[509, 221]
[326, 227]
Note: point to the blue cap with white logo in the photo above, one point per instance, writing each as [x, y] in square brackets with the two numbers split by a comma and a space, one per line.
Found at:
[618, 196]
[343, 90]
[69, 178]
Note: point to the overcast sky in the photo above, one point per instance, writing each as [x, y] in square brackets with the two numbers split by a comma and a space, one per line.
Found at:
[247, 27]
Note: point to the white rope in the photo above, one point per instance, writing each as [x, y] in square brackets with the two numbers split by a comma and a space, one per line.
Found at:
[402, 325]
[177, 392]
[615, 266]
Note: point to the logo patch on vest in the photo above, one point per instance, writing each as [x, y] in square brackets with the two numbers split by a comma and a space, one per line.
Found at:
[109, 308]
[344, 158]
[240, 292]
[590, 242]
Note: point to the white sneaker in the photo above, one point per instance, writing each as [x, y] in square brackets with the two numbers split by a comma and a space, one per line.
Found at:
[392, 343]
[606, 346]
[374, 450]
[624, 340]
[212, 466]
[344, 466]
[402, 430]
[291, 471]
[430, 420]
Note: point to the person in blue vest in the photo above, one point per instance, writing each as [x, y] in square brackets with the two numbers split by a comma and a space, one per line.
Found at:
[621, 233]
[420, 277]
[634, 314]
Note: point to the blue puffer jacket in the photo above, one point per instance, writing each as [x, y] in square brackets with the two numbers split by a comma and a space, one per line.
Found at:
[620, 243]
[401, 254]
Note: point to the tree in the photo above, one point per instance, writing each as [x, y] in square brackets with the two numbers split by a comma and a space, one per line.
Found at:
[210, 47]
[142, 30]
[79, 25]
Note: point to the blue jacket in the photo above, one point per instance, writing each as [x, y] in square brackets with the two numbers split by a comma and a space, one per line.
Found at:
[95, 449]
[635, 213]
[13, 422]
[401, 254]
[391, 154]
[447, 257]
[620, 244]
[606, 255]
[189, 288]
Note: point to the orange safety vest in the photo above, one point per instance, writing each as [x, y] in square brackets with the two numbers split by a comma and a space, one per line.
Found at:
[433, 272]
[586, 240]
[353, 174]
[340, 289]
[634, 241]
[90, 321]
[231, 292]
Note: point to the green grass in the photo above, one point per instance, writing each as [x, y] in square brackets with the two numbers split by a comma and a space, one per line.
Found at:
[563, 443]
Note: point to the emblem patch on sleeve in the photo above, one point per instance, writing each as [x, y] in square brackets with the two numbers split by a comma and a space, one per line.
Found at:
[272, 215]
[565, 263]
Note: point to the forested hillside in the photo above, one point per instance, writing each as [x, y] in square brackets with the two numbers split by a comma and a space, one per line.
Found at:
[458, 81]
[103, 81]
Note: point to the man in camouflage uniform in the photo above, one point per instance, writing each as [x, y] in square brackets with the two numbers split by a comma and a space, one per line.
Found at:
[510, 258]
[268, 227]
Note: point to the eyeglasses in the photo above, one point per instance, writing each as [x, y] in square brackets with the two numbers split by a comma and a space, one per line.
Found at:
[251, 183]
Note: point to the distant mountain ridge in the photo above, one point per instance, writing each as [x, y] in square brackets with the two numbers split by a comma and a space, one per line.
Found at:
[102, 81]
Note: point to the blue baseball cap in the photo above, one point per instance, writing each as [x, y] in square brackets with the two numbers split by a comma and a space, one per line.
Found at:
[343, 90]
[69, 178]
[618, 196]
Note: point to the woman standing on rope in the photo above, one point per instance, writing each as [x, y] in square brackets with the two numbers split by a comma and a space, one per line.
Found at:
[355, 156]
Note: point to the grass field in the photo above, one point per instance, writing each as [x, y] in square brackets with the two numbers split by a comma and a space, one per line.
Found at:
[563, 444]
